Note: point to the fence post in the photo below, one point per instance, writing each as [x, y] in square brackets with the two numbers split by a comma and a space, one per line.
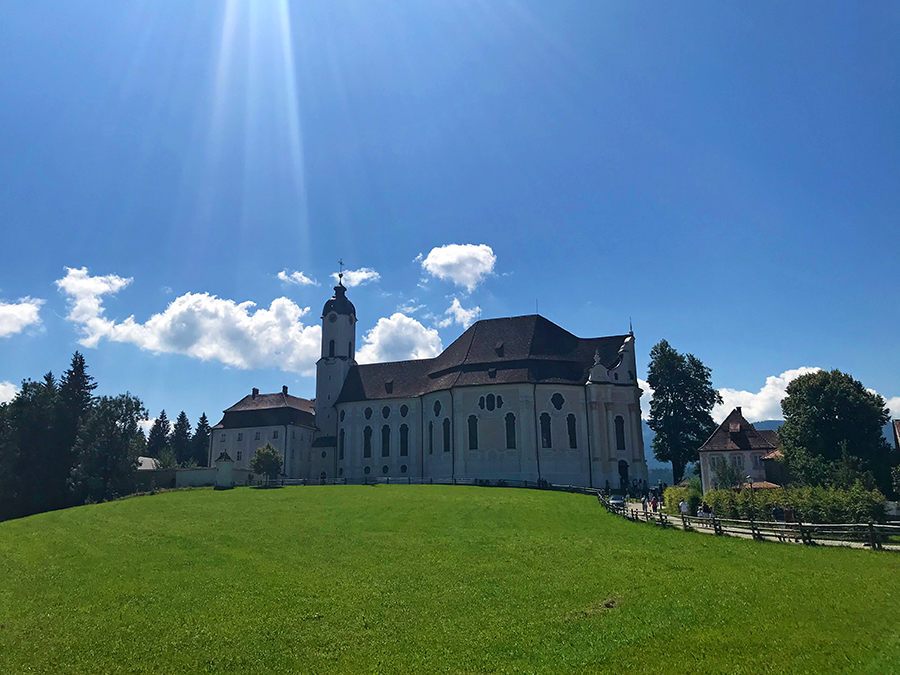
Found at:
[804, 535]
[684, 523]
[873, 539]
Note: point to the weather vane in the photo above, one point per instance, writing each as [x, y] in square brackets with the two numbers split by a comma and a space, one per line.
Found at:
[341, 273]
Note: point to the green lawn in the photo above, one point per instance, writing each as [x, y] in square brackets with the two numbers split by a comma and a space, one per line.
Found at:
[396, 579]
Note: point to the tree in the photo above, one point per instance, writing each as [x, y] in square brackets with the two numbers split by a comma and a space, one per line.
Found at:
[180, 440]
[683, 397]
[832, 431]
[107, 448]
[727, 476]
[76, 395]
[267, 461]
[159, 435]
[200, 441]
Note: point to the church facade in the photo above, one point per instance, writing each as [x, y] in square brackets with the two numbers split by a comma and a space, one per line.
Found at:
[514, 398]
[511, 399]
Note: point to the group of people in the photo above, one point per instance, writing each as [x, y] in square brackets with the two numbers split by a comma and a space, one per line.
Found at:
[653, 503]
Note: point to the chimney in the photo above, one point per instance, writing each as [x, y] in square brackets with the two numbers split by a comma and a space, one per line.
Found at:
[284, 390]
[738, 408]
[255, 392]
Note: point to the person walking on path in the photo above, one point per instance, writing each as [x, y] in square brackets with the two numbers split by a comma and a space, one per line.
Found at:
[654, 503]
[644, 505]
[683, 507]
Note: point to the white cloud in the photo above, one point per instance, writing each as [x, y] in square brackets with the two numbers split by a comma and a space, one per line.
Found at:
[465, 265]
[358, 277]
[297, 278]
[410, 307]
[8, 391]
[147, 425]
[199, 325]
[457, 314]
[645, 398]
[764, 404]
[17, 316]
[399, 338]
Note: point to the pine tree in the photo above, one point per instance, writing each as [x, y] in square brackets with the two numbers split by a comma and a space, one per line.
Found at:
[159, 435]
[107, 449]
[200, 441]
[683, 397]
[76, 389]
[180, 440]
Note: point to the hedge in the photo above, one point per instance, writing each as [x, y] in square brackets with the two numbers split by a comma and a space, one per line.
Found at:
[674, 495]
[810, 504]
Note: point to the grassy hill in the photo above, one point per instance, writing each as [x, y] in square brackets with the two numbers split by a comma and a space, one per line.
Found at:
[394, 579]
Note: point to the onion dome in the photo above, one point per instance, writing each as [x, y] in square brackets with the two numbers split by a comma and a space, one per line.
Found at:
[339, 304]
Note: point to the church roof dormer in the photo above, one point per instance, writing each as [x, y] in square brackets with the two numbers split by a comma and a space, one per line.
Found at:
[339, 304]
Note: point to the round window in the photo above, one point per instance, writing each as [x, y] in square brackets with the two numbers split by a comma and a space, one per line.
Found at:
[367, 470]
[404, 410]
[332, 317]
[384, 469]
[403, 469]
[324, 454]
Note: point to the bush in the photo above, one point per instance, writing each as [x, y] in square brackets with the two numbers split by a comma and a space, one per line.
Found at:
[674, 495]
[810, 504]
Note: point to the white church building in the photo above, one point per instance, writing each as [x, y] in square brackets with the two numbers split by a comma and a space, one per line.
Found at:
[514, 399]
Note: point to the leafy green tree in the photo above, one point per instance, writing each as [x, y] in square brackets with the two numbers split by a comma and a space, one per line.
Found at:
[107, 447]
[266, 461]
[159, 435]
[180, 440]
[167, 459]
[683, 397]
[727, 476]
[832, 431]
[200, 441]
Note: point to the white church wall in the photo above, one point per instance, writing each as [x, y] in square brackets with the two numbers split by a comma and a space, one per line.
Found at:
[241, 444]
[561, 463]
[437, 459]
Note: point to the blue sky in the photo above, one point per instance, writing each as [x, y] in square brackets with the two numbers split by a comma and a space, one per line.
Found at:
[726, 175]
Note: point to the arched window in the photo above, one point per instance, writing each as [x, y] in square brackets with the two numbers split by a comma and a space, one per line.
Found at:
[620, 432]
[473, 432]
[431, 438]
[546, 437]
[342, 419]
[510, 431]
[570, 427]
[367, 442]
[385, 441]
[331, 348]
[341, 445]
[446, 434]
[404, 440]
[491, 401]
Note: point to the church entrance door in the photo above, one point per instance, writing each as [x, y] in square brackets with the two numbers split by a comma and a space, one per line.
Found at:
[623, 474]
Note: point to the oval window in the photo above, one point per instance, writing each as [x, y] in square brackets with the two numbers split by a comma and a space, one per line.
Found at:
[342, 415]
[557, 400]
[367, 470]
[403, 468]
[385, 412]
[404, 410]
[384, 469]
[368, 413]
[437, 408]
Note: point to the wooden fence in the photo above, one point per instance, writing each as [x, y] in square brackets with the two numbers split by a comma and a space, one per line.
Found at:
[877, 536]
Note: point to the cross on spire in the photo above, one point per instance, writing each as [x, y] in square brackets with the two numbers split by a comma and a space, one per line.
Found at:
[341, 273]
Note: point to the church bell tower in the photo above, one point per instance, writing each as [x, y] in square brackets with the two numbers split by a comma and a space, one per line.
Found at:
[338, 352]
